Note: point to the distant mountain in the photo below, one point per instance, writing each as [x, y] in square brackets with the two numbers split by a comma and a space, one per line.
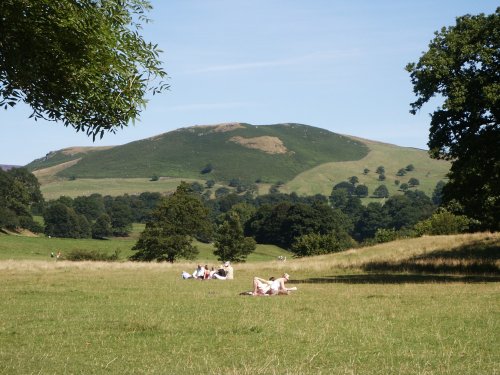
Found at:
[6, 167]
[221, 152]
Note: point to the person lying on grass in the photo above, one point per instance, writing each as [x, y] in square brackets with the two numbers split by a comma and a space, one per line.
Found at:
[271, 287]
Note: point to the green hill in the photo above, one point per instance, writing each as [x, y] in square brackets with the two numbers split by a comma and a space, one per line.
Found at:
[306, 159]
[267, 153]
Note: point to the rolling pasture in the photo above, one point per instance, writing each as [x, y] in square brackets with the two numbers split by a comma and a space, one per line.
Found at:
[346, 317]
[321, 179]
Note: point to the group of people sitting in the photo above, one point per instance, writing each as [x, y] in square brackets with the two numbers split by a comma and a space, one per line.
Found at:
[224, 272]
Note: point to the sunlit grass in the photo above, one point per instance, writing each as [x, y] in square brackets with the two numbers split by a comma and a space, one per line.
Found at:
[131, 318]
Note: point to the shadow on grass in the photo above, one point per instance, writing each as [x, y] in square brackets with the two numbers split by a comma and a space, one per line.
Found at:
[477, 262]
[477, 258]
[385, 278]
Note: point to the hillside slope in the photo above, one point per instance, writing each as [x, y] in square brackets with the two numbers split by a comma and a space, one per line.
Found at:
[321, 179]
[268, 153]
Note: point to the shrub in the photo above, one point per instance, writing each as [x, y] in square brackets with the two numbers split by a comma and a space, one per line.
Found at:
[317, 244]
[92, 255]
[207, 169]
[443, 222]
[385, 235]
[410, 167]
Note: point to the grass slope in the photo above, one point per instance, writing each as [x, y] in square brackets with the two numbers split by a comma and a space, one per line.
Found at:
[125, 318]
[185, 152]
[54, 158]
[322, 178]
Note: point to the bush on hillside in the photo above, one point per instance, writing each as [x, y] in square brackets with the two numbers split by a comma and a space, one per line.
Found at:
[317, 244]
[443, 222]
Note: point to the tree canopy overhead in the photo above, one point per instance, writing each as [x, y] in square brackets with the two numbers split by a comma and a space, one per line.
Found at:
[462, 67]
[81, 62]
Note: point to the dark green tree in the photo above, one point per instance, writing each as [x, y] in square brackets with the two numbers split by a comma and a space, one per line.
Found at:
[102, 227]
[461, 66]
[179, 219]
[361, 191]
[282, 223]
[437, 194]
[121, 217]
[230, 242]
[90, 206]
[406, 210]
[61, 221]
[373, 217]
[80, 62]
[353, 180]
[381, 192]
[344, 185]
[19, 191]
[412, 182]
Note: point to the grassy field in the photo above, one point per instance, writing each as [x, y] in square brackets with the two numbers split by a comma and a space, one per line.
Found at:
[321, 179]
[135, 318]
[14, 247]
[109, 186]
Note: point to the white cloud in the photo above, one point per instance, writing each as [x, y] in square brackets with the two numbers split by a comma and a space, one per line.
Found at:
[305, 59]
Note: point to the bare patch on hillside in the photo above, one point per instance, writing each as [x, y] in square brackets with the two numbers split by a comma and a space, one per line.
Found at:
[267, 144]
[47, 175]
[83, 150]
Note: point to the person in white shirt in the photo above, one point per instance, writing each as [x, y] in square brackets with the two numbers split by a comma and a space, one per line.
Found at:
[228, 273]
[199, 272]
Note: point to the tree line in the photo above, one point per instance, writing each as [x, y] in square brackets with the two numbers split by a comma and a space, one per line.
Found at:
[305, 225]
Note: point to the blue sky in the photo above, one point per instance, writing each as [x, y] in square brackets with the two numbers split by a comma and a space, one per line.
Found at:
[333, 64]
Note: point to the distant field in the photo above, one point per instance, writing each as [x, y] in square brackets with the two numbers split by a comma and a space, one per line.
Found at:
[321, 179]
[39, 248]
[125, 318]
[109, 186]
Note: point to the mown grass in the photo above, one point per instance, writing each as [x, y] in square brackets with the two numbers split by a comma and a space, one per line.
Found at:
[135, 318]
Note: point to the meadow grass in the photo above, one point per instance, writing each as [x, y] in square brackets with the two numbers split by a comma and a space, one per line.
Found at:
[142, 318]
[40, 247]
[109, 186]
[321, 179]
